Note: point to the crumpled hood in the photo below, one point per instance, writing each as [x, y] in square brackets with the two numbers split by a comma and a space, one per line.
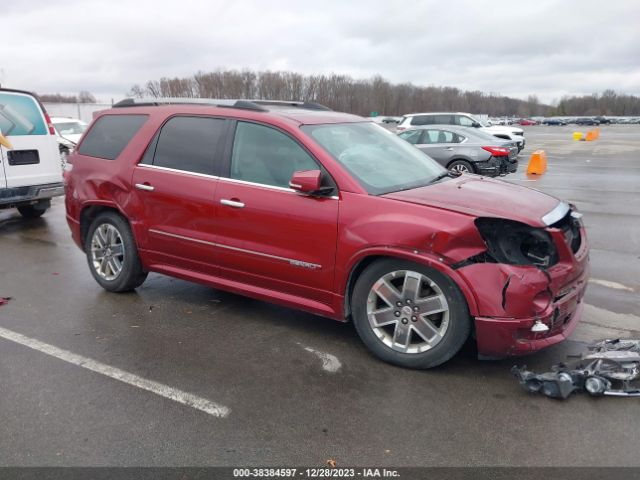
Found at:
[483, 197]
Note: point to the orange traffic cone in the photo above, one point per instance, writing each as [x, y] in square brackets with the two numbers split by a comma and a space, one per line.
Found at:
[537, 163]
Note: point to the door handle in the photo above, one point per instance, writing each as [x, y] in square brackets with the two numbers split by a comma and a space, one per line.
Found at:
[232, 203]
[145, 186]
[449, 149]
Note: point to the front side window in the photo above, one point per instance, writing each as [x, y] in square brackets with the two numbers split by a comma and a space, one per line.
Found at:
[464, 121]
[20, 114]
[110, 134]
[188, 144]
[265, 155]
[421, 120]
[375, 157]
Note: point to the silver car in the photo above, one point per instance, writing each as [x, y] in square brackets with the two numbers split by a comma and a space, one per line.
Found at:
[465, 150]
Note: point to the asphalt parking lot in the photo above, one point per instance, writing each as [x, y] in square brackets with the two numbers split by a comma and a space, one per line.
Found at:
[292, 388]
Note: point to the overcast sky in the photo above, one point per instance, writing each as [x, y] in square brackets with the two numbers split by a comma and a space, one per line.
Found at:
[548, 48]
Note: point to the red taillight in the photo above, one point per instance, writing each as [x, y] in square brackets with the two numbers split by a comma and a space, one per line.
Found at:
[47, 118]
[497, 151]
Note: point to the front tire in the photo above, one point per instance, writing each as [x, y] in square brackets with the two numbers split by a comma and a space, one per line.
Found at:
[112, 254]
[409, 314]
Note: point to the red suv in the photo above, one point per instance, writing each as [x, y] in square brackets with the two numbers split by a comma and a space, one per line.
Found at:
[325, 212]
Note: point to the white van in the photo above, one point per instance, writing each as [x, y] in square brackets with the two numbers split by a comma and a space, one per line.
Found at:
[30, 170]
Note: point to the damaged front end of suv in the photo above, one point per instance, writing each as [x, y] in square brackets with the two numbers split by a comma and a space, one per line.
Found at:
[528, 283]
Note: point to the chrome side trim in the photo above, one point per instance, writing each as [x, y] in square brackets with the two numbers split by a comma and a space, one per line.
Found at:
[297, 263]
[175, 170]
[556, 214]
[291, 261]
[263, 185]
[191, 239]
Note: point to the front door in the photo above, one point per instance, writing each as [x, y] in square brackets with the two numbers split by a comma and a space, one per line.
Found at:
[268, 235]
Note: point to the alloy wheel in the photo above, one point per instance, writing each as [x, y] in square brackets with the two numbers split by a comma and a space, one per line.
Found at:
[407, 311]
[107, 251]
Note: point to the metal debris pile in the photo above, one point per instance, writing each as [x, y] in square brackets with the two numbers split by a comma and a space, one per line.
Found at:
[608, 367]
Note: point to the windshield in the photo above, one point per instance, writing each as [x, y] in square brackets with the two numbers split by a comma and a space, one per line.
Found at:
[70, 128]
[377, 158]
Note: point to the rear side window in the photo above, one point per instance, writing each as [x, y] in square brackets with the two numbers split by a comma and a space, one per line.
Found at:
[20, 114]
[110, 134]
[188, 144]
[442, 136]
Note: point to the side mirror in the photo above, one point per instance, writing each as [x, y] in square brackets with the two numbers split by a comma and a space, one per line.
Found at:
[308, 182]
[476, 125]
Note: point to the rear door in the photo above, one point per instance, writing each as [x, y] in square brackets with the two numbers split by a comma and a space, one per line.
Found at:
[268, 235]
[434, 143]
[174, 187]
[34, 158]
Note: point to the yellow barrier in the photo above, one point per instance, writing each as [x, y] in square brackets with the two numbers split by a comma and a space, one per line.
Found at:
[537, 163]
[577, 136]
[591, 136]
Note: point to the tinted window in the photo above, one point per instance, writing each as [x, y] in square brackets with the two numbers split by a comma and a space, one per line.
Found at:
[189, 143]
[443, 120]
[421, 120]
[110, 134]
[411, 136]
[20, 115]
[268, 156]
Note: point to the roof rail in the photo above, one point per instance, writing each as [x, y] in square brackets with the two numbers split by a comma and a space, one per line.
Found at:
[256, 105]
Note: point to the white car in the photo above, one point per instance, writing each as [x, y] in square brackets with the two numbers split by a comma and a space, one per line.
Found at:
[30, 173]
[69, 131]
[461, 119]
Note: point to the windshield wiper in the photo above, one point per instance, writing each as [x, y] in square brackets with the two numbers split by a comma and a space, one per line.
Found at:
[443, 175]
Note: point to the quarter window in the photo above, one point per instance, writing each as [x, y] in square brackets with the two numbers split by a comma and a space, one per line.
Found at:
[110, 135]
[187, 143]
[265, 155]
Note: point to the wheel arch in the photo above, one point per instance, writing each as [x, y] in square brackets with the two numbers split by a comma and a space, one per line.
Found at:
[90, 211]
[364, 259]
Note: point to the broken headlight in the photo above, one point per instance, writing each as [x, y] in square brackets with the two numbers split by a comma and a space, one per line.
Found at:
[515, 243]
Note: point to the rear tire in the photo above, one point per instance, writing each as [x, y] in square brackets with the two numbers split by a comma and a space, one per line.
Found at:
[112, 254]
[33, 211]
[461, 166]
[409, 314]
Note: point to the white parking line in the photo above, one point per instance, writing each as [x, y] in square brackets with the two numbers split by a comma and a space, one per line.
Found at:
[610, 284]
[165, 391]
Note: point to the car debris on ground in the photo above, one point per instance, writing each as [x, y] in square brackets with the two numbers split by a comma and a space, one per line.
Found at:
[608, 367]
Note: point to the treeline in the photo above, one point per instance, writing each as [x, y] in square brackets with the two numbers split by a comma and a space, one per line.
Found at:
[363, 96]
[338, 92]
[608, 103]
[82, 97]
